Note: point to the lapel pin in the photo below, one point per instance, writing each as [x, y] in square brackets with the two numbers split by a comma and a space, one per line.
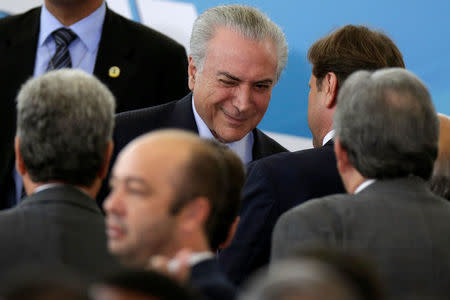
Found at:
[114, 72]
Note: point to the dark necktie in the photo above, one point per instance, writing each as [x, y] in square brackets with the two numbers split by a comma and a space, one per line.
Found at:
[61, 59]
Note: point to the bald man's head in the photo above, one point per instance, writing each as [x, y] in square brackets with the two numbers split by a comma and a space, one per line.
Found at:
[155, 178]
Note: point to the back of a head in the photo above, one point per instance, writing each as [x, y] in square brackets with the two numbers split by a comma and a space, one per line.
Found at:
[352, 48]
[387, 123]
[226, 211]
[360, 273]
[65, 121]
[141, 285]
[246, 20]
[204, 173]
[440, 180]
[300, 279]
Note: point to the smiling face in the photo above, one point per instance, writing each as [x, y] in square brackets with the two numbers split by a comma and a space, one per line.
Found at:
[232, 92]
[139, 223]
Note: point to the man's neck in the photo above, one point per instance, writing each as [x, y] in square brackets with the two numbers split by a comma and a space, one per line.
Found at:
[70, 12]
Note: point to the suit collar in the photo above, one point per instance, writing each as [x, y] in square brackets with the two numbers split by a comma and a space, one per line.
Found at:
[61, 194]
[410, 184]
[182, 115]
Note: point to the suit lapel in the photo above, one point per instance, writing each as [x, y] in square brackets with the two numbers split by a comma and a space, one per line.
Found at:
[114, 51]
[182, 115]
[264, 146]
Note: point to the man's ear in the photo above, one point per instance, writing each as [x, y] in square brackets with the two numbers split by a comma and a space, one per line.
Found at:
[107, 159]
[343, 162]
[330, 83]
[192, 71]
[194, 215]
[20, 165]
[231, 233]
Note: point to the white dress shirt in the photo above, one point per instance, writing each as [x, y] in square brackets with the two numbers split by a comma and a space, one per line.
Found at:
[243, 148]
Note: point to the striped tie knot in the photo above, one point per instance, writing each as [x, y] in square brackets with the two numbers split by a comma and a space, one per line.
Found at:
[61, 59]
[63, 36]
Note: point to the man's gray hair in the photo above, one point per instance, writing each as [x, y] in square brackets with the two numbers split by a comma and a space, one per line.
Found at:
[65, 120]
[387, 123]
[298, 279]
[245, 20]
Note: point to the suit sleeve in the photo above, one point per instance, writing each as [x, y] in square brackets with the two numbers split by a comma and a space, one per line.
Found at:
[250, 247]
[312, 224]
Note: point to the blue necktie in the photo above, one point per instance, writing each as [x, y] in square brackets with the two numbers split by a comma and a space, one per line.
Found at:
[61, 59]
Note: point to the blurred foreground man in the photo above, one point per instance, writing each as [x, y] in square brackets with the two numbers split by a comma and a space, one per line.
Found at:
[386, 143]
[280, 182]
[171, 191]
[63, 146]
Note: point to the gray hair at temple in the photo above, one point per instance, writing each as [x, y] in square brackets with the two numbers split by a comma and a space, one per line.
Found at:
[65, 120]
[387, 123]
[245, 20]
[301, 279]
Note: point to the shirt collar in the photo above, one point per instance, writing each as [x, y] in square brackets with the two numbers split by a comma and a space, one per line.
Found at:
[88, 29]
[194, 258]
[328, 137]
[242, 147]
[363, 185]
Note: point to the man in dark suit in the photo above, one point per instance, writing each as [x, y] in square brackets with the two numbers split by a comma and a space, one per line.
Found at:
[63, 145]
[141, 66]
[172, 191]
[237, 55]
[282, 181]
[386, 143]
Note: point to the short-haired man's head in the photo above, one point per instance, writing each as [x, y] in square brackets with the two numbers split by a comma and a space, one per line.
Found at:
[207, 173]
[166, 189]
[65, 121]
[352, 48]
[387, 123]
[225, 212]
[247, 21]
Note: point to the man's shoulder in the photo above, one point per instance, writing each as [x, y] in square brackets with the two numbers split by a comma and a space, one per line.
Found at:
[18, 20]
[300, 164]
[149, 115]
[264, 146]
[140, 33]
[207, 277]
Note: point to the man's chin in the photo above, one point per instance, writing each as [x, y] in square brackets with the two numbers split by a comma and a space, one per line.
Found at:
[228, 137]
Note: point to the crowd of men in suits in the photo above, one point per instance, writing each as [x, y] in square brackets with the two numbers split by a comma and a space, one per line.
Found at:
[352, 218]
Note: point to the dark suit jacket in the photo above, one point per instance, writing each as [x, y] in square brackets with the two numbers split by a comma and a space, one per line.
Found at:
[153, 69]
[274, 185]
[176, 114]
[212, 284]
[59, 226]
[398, 223]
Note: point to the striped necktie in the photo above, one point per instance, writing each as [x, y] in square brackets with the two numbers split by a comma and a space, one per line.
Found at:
[61, 59]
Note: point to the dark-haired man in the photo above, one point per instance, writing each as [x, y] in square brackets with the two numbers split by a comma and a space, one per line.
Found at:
[280, 182]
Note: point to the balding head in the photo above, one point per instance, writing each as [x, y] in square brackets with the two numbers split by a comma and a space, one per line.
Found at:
[155, 180]
[440, 180]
